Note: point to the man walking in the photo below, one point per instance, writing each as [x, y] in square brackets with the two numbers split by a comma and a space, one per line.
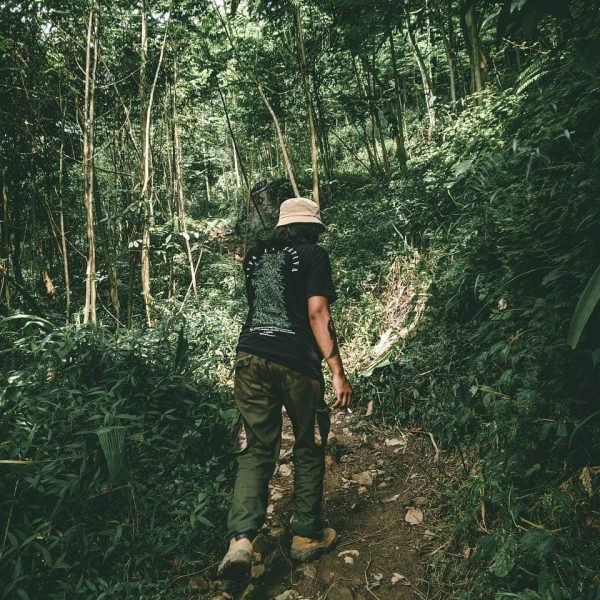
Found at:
[288, 331]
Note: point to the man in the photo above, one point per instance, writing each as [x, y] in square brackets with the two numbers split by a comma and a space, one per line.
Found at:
[288, 331]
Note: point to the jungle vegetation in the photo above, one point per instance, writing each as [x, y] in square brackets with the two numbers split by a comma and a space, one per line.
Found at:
[453, 146]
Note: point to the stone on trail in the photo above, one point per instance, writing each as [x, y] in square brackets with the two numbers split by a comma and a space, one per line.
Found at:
[364, 478]
[285, 470]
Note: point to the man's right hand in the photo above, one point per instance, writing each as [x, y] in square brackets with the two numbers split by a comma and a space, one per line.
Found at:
[343, 391]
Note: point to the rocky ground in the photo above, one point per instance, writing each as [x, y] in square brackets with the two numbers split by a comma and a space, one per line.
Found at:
[376, 497]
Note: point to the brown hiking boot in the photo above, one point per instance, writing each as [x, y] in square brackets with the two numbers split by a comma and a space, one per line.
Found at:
[304, 549]
[238, 561]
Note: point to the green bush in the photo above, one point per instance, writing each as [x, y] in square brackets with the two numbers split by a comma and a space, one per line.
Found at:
[125, 441]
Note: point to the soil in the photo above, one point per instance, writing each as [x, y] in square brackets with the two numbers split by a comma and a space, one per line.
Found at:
[381, 521]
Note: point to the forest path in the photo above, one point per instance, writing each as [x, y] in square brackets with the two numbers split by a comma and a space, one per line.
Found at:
[375, 480]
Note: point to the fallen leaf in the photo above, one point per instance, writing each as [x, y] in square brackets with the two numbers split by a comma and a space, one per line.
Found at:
[285, 470]
[428, 535]
[349, 553]
[414, 516]
[370, 408]
[420, 501]
[397, 577]
[348, 560]
[395, 442]
[392, 498]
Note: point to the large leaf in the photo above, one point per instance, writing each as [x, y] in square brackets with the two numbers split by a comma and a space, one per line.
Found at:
[585, 307]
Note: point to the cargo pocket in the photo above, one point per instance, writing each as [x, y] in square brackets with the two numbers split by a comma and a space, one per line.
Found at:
[322, 427]
[238, 435]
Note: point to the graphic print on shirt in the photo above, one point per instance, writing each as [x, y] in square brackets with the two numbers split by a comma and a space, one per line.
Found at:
[269, 288]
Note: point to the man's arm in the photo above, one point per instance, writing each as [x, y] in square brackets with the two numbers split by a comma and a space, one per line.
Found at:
[323, 329]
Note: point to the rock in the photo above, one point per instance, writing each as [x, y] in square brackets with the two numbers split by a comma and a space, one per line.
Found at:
[364, 478]
[285, 470]
[288, 595]
[257, 571]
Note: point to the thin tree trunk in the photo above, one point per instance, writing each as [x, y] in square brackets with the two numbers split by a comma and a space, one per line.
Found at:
[89, 311]
[477, 57]
[63, 236]
[280, 140]
[146, 190]
[446, 41]
[314, 158]
[4, 246]
[371, 151]
[399, 133]
[427, 83]
[181, 218]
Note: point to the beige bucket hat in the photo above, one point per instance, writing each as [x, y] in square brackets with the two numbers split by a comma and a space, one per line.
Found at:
[299, 210]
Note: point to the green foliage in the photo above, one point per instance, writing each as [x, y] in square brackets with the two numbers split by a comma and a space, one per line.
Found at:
[125, 440]
[504, 220]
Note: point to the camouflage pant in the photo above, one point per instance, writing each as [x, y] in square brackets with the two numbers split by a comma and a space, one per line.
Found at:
[262, 387]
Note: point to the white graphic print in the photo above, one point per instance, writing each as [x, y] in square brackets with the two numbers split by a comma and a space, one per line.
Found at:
[267, 278]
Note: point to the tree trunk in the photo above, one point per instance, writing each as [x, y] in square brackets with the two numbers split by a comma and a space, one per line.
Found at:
[314, 159]
[371, 150]
[477, 57]
[181, 218]
[63, 236]
[4, 246]
[280, 140]
[146, 101]
[399, 132]
[446, 41]
[427, 83]
[89, 311]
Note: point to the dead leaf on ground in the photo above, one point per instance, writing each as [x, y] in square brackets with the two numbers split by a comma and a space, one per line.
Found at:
[364, 478]
[370, 408]
[414, 516]
[285, 470]
[392, 442]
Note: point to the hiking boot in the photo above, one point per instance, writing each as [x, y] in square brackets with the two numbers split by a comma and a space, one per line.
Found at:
[237, 562]
[304, 549]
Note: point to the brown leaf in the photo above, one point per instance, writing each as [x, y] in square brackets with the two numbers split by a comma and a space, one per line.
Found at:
[414, 516]
[370, 408]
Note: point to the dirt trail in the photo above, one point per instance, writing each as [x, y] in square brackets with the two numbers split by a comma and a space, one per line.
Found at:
[373, 484]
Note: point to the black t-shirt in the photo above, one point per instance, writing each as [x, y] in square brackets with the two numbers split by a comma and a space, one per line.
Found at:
[279, 282]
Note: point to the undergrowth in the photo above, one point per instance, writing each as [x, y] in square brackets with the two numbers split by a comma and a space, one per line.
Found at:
[502, 221]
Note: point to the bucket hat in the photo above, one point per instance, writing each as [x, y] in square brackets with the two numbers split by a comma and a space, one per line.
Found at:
[299, 210]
